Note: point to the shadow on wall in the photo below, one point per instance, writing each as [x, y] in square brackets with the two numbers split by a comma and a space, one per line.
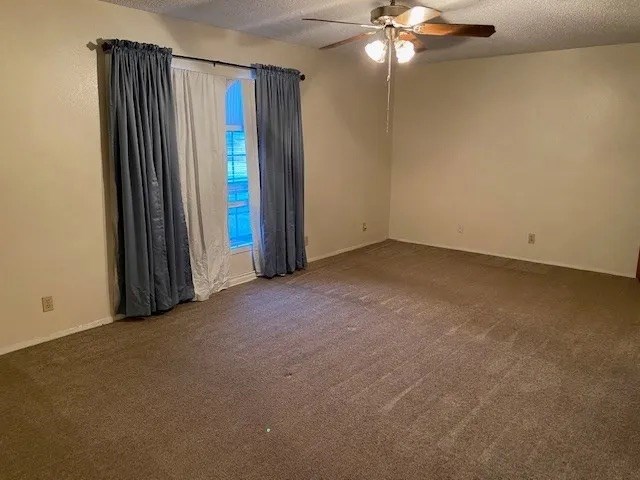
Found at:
[207, 41]
[322, 69]
[344, 102]
[108, 176]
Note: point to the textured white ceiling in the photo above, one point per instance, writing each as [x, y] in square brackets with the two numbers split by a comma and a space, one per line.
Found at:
[522, 25]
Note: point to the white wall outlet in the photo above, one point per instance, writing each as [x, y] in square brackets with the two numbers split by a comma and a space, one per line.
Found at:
[364, 226]
[532, 238]
[460, 229]
[47, 304]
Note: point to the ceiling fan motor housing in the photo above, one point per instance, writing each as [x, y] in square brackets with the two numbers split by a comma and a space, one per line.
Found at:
[385, 14]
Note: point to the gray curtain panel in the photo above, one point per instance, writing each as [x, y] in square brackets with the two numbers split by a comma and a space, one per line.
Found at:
[281, 160]
[154, 271]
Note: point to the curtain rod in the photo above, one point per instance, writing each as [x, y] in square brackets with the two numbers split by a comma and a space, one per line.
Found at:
[106, 47]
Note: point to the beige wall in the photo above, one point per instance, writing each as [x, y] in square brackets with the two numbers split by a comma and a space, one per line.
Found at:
[54, 234]
[547, 143]
[544, 143]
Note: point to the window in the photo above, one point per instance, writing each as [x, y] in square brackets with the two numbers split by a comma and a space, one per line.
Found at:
[237, 178]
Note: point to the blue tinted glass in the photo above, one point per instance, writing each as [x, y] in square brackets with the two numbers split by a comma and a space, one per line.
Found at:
[234, 105]
[237, 178]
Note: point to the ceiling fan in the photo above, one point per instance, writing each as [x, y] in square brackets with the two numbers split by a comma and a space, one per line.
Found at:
[399, 25]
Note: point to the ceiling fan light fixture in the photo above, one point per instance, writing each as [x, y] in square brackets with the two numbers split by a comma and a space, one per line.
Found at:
[404, 51]
[401, 26]
[376, 50]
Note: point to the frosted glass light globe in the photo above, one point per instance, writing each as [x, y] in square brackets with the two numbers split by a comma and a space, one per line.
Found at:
[404, 51]
[376, 50]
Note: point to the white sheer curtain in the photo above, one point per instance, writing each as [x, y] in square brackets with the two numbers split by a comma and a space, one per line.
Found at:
[251, 139]
[200, 126]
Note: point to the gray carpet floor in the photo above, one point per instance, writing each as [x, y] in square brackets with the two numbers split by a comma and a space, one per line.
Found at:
[395, 361]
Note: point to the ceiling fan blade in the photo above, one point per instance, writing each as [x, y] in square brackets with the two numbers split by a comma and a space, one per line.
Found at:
[410, 37]
[442, 29]
[362, 25]
[415, 16]
[348, 40]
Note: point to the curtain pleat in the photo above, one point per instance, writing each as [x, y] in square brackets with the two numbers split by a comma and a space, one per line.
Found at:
[153, 250]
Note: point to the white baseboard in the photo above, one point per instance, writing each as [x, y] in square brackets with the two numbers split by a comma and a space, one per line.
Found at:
[53, 336]
[247, 277]
[525, 259]
[344, 250]
[239, 279]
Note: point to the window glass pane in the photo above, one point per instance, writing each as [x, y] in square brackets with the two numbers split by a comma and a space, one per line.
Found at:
[234, 105]
[237, 178]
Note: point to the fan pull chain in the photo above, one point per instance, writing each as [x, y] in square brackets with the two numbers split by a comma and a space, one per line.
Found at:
[390, 58]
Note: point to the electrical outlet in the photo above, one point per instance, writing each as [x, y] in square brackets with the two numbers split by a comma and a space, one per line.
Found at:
[306, 241]
[460, 229]
[364, 226]
[47, 304]
[532, 238]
